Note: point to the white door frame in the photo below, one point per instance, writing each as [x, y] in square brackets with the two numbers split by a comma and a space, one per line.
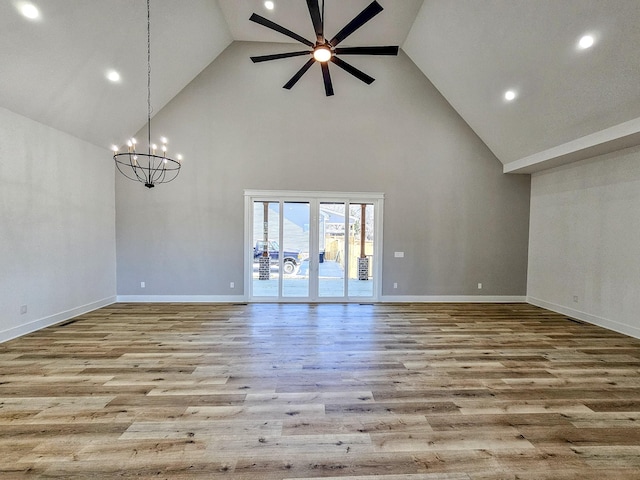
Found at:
[314, 198]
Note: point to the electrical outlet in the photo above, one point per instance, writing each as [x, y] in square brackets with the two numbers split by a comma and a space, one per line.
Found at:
[575, 299]
[479, 286]
[23, 309]
[395, 284]
[232, 285]
[142, 285]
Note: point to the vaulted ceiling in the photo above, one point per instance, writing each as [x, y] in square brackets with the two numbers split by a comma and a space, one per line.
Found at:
[570, 103]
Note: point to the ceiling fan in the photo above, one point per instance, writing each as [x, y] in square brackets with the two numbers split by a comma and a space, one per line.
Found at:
[323, 51]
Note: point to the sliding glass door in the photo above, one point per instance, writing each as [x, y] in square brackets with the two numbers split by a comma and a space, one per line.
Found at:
[310, 246]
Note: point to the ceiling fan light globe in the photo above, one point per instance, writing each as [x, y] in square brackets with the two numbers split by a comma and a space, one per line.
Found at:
[322, 54]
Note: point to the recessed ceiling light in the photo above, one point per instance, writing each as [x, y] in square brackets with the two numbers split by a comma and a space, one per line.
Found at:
[28, 10]
[509, 95]
[586, 41]
[113, 76]
[269, 5]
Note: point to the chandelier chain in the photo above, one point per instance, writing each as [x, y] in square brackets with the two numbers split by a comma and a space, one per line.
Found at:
[149, 71]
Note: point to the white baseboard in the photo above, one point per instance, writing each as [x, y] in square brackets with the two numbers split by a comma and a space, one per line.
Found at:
[383, 299]
[587, 317]
[181, 299]
[453, 299]
[44, 322]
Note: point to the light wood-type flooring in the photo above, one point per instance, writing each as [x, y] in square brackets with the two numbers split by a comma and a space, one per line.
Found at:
[267, 391]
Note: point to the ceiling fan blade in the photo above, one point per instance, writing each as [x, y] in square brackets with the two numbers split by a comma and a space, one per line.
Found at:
[328, 86]
[277, 56]
[353, 70]
[390, 50]
[363, 17]
[280, 29]
[314, 11]
[299, 74]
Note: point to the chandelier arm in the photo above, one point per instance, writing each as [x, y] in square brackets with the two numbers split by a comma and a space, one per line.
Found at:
[157, 166]
[122, 171]
[158, 173]
[172, 172]
[172, 179]
[134, 168]
[164, 175]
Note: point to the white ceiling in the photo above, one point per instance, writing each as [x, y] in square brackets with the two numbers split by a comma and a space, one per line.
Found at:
[475, 50]
[389, 27]
[569, 101]
[53, 69]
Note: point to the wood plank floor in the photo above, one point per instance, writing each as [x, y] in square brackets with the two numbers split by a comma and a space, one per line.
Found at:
[391, 392]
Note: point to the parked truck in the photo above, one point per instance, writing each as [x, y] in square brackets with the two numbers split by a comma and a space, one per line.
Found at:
[291, 259]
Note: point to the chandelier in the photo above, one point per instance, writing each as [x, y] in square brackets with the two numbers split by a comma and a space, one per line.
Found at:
[154, 166]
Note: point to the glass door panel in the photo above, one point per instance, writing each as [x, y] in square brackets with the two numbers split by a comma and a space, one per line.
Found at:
[361, 248]
[266, 249]
[332, 249]
[296, 220]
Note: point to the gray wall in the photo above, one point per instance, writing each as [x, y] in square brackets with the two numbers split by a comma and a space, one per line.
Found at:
[57, 226]
[585, 240]
[448, 206]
